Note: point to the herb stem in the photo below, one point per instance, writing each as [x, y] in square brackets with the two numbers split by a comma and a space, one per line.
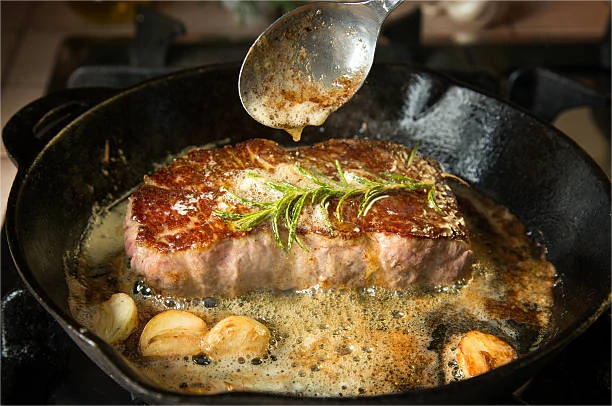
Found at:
[287, 210]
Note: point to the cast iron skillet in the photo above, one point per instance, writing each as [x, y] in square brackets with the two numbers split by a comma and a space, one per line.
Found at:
[521, 162]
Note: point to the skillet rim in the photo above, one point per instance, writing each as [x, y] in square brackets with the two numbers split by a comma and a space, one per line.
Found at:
[125, 374]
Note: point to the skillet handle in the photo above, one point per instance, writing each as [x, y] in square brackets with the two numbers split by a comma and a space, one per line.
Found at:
[32, 127]
[548, 93]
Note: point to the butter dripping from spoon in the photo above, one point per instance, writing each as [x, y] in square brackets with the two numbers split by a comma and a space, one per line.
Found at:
[310, 62]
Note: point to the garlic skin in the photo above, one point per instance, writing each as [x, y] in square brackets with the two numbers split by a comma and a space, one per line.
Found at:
[237, 336]
[469, 14]
[116, 318]
[480, 352]
[172, 332]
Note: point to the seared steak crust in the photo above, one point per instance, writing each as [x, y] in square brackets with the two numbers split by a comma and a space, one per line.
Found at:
[178, 243]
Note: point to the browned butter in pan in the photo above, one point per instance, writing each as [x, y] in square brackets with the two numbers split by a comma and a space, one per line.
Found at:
[339, 342]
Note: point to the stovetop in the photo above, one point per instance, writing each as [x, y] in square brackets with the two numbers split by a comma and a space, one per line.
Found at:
[156, 49]
[42, 365]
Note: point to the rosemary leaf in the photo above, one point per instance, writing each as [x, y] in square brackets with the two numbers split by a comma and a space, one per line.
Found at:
[318, 179]
[368, 198]
[275, 231]
[341, 173]
[371, 202]
[323, 207]
[248, 221]
[431, 200]
[296, 210]
[367, 182]
[248, 202]
[413, 152]
[454, 177]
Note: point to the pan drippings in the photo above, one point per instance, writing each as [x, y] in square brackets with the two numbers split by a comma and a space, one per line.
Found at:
[339, 342]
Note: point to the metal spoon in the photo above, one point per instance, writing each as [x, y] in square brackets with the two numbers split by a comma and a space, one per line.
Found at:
[310, 62]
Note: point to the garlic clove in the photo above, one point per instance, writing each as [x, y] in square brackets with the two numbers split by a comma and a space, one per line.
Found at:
[480, 352]
[475, 14]
[172, 332]
[116, 318]
[237, 336]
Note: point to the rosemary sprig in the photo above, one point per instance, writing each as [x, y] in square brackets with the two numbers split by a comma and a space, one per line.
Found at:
[287, 209]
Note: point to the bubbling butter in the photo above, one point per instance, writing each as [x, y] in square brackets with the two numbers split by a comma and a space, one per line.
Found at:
[336, 342]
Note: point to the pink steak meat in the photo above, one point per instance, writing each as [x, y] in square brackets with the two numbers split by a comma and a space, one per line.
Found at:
[181, 244]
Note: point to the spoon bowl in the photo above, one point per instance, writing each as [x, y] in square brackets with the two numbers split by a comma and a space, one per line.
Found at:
[310, 62]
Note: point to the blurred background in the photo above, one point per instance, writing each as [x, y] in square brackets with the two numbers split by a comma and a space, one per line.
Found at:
[43, 43]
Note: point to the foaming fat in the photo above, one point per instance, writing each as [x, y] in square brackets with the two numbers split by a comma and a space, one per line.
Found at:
[338, 342]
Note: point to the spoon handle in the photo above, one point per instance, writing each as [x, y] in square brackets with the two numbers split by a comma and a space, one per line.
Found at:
[383, 7]
[390, 4]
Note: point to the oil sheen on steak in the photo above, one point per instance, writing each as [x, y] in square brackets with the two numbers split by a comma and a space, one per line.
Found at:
[182, 247]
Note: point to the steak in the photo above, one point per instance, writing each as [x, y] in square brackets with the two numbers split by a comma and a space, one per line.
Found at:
[180, 236]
